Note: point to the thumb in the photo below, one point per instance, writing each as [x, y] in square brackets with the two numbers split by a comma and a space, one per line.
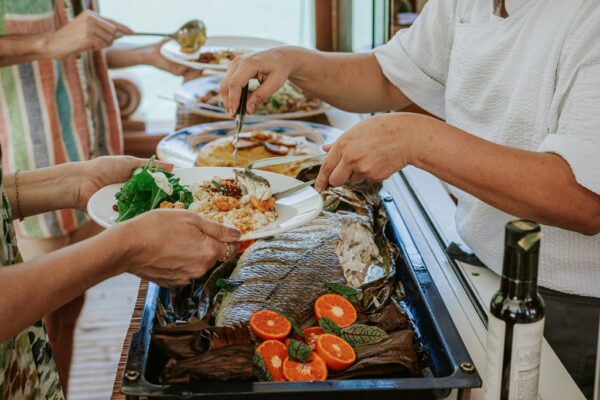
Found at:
[326, 147]
[218, 231]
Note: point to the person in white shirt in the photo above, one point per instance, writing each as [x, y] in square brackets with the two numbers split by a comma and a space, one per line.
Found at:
[518, 86]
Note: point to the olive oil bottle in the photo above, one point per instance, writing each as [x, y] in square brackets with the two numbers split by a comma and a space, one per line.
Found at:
[516, 319]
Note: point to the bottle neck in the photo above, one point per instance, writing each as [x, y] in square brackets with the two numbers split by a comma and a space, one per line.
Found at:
[519, 274]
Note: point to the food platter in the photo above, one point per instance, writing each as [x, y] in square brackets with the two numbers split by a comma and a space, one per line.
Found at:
[181, 147]
[190, 91]
[242, 44]
[448, 363]
[291, 211]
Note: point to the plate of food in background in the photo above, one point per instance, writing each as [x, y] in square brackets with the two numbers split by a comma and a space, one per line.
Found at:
[218, 51]
[212, 144]
[238, 198]
[201, 96]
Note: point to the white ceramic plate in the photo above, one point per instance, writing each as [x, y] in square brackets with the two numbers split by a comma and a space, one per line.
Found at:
[181, 148]
[191, 90]
[172, 52]
[292, 211]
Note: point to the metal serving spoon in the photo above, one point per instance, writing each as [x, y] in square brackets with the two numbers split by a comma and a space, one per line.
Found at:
[191, 36]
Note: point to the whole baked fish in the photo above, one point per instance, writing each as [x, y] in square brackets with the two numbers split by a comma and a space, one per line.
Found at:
[289, 271]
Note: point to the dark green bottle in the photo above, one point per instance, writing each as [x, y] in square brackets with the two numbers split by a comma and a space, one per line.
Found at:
[516, 319]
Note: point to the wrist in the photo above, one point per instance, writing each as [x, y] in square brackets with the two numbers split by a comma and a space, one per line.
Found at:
[118, 249]
[73, 177]
[422, 134]
[42, 46]
[293, 57]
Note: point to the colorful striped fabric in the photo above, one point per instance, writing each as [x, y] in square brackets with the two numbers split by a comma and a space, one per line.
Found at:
[54, 111]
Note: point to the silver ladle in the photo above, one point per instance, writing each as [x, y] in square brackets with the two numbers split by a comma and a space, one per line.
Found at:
[191, 36]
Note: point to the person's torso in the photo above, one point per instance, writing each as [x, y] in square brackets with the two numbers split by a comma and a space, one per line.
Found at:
[54, 111]
[501, 86]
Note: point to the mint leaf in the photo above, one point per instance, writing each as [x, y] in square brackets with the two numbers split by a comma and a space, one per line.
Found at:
[259, 369]
[329, 326]
[361, 334]
[294, 323]
[298, 351]
[351, 294]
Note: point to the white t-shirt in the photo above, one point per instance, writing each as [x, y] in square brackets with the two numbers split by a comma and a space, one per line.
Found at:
[531, 81]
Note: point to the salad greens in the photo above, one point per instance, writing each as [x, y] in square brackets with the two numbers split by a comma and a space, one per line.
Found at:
[147, 188]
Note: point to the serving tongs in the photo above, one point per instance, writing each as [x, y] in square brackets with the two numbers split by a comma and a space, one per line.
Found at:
[239, 122]
[269, 162]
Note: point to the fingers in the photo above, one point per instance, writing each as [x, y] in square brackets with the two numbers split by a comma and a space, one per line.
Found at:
[327, 147]
[217, 231]
[241, 77]
[224, 87]
[264, 91]
[340, 175]
[124, 29]
[331, 161]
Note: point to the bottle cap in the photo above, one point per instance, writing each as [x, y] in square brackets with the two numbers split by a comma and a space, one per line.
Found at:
[523, 235]
[521, 250]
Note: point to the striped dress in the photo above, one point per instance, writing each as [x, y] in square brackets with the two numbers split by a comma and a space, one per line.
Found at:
[54, 111]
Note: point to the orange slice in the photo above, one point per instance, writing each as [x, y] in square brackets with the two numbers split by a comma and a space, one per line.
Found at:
[336, 308]
[274, 353]
[314, 370]
[335, 351]
[311, 335]
[267, 324]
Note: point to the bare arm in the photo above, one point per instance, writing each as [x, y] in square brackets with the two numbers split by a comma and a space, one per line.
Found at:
[88, 31]
[352, 82]
[44, 189]
[36, 288]
[527, 184]
[18, 49]
[123, 56]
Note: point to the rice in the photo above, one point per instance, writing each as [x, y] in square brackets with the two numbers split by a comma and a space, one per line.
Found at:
[241, 215]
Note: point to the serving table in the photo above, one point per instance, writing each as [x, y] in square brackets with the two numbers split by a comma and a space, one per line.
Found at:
[428, 213]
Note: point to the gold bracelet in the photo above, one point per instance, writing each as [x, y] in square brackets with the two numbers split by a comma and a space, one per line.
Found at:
[17, 195]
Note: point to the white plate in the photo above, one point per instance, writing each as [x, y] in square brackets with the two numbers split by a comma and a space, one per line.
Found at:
[181, 148]
[172, 52]
[292, 211]
[191, 90]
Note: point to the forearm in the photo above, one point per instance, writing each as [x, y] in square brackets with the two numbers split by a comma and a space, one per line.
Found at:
[527, 184]
[18, 49]
[36, 288]
[123, 56]
[352, 82]
[42, 190]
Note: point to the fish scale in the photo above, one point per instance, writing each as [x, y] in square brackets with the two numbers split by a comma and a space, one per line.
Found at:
[288, 272]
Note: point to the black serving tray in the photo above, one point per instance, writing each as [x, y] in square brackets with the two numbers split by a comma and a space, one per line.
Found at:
[449, 365]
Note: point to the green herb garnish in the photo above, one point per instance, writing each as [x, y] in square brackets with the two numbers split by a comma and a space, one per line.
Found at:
[294, 323]
[147, 188]
[351, 294]
[298, 351]
[329, 326]
[259, 369]
[361, 334]
[228, 285]
[220, 187]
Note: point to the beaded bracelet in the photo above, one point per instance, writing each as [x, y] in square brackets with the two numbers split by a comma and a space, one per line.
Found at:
[17, 195]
